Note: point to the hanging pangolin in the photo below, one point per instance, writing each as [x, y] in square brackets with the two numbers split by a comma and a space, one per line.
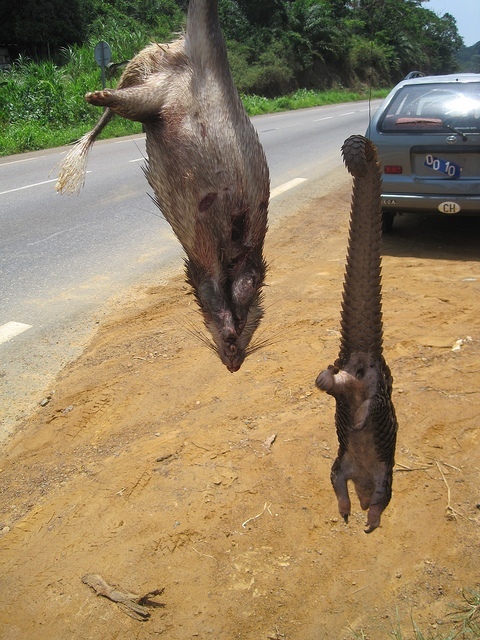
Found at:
[360, 380]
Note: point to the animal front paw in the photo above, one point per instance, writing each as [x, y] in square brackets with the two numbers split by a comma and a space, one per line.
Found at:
[361, 415]
[325, 380]
[99, 98]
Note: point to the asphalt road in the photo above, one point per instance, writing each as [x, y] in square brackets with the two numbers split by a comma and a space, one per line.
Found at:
[63, 257]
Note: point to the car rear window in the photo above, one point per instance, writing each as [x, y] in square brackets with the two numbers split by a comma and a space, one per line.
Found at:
[433, 107]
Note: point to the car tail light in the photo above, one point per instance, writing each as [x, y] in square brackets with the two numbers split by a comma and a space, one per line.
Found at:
[393, 168]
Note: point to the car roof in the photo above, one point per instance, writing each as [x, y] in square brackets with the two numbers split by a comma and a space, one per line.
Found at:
[452, 77]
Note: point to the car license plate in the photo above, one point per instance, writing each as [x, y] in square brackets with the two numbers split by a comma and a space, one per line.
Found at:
[450, 169]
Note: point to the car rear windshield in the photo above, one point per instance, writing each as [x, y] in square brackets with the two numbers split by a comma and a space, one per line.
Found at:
[432, 107]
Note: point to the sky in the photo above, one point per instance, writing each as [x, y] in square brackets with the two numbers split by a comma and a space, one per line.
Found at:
[465, 12]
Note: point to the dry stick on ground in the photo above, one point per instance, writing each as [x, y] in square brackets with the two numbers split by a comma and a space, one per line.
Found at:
[134, 606]
[405, 468]
[266, 507]
[204, 555]
[449, 510]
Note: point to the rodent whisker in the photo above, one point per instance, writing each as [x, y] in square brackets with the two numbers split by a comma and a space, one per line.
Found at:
[256, 347]
[261, 342]
[196, 333]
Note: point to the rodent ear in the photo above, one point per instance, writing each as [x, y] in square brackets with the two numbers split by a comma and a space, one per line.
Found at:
[243, 289]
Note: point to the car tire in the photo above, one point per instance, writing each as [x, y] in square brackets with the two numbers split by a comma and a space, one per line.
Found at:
[387, 221]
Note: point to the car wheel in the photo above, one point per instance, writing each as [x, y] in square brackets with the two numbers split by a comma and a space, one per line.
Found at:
[387, 221]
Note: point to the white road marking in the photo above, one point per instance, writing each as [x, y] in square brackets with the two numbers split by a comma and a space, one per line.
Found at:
[29, 186]
[17, 161]
[348, 113]
[286, 186]
[12, 329]
[326, 118]
[137, 160]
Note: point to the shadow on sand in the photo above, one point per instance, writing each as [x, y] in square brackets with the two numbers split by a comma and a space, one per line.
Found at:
[434, 237]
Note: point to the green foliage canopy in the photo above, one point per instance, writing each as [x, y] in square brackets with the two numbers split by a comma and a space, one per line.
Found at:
[277, 45]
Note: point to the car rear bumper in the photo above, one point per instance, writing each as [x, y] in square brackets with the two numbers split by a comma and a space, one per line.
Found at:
[447, 205]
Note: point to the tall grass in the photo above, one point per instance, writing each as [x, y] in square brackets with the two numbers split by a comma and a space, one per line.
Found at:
[42, 104]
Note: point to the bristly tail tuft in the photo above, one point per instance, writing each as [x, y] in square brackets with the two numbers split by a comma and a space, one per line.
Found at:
[71, 176]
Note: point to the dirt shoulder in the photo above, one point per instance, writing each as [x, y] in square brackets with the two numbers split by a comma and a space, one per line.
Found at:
[154, 467]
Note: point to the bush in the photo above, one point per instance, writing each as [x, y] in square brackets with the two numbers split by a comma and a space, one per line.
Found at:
[370, 61]
[257, 70]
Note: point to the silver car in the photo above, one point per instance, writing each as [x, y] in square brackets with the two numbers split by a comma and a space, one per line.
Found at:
[427, 132]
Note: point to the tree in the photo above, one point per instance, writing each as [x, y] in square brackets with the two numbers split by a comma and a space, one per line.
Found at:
[266, 13]
[38, 27]
[441, 42]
